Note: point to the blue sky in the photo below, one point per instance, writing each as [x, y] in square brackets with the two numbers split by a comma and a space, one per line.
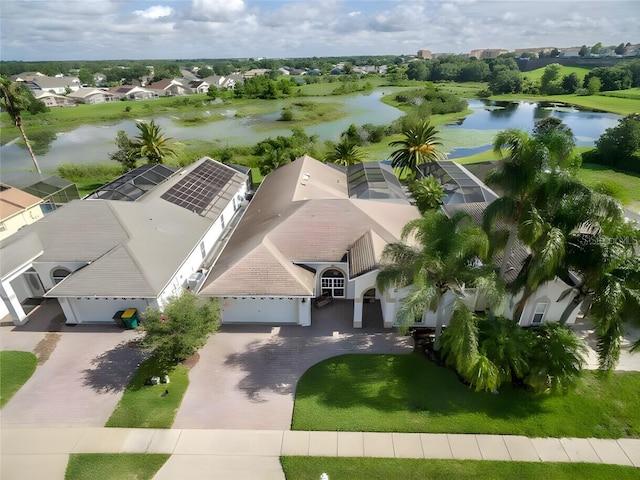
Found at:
[120, 29]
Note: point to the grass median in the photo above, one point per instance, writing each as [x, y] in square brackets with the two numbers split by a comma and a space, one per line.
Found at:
[303, 468]
[150, 406]
[15, 369]
[408, 393]
[114, 466]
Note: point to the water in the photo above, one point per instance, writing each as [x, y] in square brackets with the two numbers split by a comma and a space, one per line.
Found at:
[475, 133]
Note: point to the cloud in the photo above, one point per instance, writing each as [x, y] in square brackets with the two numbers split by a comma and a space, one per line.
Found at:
[155, 12]
[216, 10]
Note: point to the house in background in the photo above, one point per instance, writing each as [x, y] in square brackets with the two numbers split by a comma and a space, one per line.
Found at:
[170, 87]
[57, 85]
[133, 92]
[53, 190]
[91, 96]
[52, 100]
[311, 230]
[133, 244]
[17, 209]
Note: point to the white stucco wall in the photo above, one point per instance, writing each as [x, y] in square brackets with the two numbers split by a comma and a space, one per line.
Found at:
[548, 293]
[19, 220]
[270, 310]
[45, 269]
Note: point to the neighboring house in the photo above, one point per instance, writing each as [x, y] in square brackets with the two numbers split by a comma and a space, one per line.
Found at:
[91, 96]
[256, 71]
[134, 244]
[220, 81]
[53, 99]
[169, 87]
[283, 71]
[199, 86]
[424, 54]
[311, 230]
[26, 76]
[133, 92]
[57, 85]
[53, 190]
[17, 209]
[100, 79]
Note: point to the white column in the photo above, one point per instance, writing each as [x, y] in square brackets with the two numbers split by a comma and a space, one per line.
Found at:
[357, 313]
[304, 312]
[12, 303]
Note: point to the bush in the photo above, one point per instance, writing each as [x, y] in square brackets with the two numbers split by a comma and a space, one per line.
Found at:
[484, 93]
[286, 115]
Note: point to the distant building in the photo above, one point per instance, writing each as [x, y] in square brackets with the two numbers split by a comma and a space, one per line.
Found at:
[425, 54]
[483, 53]
[17, 209]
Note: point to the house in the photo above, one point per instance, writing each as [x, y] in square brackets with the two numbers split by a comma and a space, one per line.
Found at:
[256, 71]
[57, 85]
[199, 86]
[133, 244]
[133, 92]
[17, 209]
[53, 100]
[311, 230]
[169, 87]
[425, 54]
[91, 96]
[26, 76]
[53, 190]
[220, 82]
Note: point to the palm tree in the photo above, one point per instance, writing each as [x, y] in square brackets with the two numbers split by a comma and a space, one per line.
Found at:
[346, 153]
[427, 192]
[418, 147]
[152, 143]
[445, 256]
[274, 157]
[14, 98]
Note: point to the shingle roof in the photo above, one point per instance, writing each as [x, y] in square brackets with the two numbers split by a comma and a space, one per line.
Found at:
[132, 248]
[13, 201]
[300, 214]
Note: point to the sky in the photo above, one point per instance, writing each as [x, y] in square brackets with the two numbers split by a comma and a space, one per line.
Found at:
[187, 29]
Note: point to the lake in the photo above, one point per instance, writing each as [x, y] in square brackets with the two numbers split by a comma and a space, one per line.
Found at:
[475, 133]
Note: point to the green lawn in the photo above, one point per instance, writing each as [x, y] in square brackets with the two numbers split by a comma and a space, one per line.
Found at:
[15, 369]
[407, 393]
[306, 468]
[114, 466]
[564, 70]
[147, 406]
[591, 174]
[633, 93]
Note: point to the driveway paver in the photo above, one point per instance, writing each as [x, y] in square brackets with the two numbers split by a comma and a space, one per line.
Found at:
[246, 375]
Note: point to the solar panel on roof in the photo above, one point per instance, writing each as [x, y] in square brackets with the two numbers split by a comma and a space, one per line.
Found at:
[199, 188]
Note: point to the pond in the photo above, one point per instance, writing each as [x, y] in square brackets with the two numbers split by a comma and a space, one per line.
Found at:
[475, 133]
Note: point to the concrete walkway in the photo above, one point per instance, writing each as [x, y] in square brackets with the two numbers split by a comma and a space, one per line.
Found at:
[42, 453]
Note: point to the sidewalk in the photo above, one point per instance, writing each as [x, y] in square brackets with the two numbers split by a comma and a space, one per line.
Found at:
[42, 453]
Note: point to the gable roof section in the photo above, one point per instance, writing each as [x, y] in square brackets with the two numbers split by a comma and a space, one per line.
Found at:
[111, 275]
[15, 251]
[302, 212]
[365, 254]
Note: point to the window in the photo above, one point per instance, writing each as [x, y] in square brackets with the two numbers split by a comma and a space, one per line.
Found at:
[538, 313]
[59, 274]
[332, 283]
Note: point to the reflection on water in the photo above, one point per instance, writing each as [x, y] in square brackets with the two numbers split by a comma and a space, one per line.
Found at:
[93, 143]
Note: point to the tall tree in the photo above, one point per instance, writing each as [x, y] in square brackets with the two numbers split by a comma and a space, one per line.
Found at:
[445, 256]
[152, 142]
[418, 146]
[14, 98]
[346, 153]
[128, 153]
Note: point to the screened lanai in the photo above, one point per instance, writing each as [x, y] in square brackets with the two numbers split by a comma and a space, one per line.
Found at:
[460, 185]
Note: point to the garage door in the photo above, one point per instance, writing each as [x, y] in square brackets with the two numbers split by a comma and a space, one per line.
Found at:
[259, 310]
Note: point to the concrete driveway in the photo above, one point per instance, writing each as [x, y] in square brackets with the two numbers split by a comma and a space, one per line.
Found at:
[246, 375]
[81, 373]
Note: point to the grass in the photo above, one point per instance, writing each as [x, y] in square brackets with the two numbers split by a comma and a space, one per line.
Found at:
[114, 466]
[592, 174]
[564, 70]
[304, 468]
[15, 369]
[407, 393]
[633, 93]
[146, 406]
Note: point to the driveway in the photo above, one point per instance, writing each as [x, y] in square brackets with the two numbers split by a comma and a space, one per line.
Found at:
[246, 375]
[81, 373]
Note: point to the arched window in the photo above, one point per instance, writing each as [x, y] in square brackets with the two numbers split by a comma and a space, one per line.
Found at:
[332, 283]
[59, 274]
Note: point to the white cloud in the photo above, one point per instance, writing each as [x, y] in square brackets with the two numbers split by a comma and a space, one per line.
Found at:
[155, 12]
[216, 10]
